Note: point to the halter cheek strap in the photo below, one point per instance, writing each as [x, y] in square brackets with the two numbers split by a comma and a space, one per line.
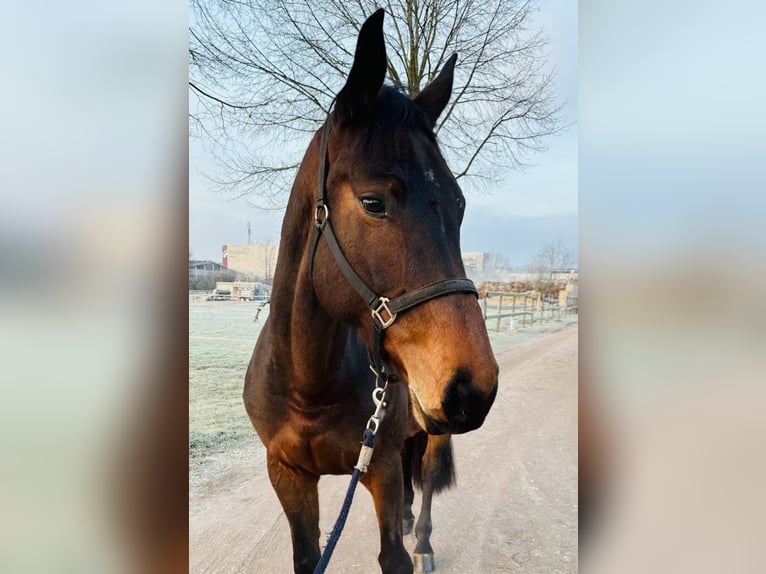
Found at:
[384, 310]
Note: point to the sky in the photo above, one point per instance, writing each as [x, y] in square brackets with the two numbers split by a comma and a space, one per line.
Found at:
[515, 218]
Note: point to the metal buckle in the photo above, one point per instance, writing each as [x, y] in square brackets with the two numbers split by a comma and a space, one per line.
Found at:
[383, 306]
[317, 211]
[379, 398]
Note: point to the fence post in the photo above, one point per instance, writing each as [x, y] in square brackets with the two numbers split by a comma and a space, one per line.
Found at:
[513, 312]
[524, 316]
[486, 296]
[499, 314]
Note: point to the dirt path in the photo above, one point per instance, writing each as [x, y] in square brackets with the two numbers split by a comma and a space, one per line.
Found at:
[514, 508]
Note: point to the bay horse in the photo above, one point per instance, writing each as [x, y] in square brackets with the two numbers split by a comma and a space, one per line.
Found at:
[375, 171]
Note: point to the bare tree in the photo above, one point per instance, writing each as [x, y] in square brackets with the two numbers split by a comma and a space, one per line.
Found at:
[263, 74]
[552, 257]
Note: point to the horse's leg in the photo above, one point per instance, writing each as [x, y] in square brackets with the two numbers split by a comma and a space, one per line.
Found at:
[385, 483]
[409, 493]
[437, 474]
[298, 494]
[424, 553]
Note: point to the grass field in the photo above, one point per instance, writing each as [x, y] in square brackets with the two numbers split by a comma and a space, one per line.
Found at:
[222, 335]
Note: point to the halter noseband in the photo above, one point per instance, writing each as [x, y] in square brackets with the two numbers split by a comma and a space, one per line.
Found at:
[384, 310]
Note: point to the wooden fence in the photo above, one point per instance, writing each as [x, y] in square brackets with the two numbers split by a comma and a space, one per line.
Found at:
[527, 307]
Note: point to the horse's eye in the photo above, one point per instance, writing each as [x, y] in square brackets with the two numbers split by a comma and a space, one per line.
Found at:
[373, 206]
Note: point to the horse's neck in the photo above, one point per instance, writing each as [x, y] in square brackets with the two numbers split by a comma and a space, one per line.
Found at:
[307, 341]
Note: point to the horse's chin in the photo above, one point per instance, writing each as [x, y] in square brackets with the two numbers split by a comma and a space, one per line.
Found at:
[424, 421]
[436, 426]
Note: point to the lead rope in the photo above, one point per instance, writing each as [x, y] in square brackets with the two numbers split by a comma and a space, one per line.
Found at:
[365, 456]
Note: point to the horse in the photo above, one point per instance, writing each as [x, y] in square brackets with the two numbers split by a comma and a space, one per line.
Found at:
[376, 172]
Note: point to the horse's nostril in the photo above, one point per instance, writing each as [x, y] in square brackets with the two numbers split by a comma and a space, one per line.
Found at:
[464, 405]
[457, 396]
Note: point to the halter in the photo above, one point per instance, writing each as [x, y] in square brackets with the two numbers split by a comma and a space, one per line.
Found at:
[384, 310]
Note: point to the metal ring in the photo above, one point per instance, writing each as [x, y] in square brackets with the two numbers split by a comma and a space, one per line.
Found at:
[324, 207]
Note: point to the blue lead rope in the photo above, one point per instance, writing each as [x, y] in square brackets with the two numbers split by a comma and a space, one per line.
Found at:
[368, 441]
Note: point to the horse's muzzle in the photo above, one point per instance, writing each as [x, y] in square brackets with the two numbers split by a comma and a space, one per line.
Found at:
[464, 406]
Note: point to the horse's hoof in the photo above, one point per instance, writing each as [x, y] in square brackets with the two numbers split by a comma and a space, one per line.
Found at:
[407, 525]
[423, 562]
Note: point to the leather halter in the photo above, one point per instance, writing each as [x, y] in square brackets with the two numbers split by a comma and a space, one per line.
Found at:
[384, 310]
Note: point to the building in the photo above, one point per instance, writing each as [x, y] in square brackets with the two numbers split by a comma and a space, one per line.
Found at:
[203, 275]
[474, 262]
[252, 261]
[565, 275]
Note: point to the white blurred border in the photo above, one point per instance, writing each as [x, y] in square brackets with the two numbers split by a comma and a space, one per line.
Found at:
[92, 236]
[674, 293]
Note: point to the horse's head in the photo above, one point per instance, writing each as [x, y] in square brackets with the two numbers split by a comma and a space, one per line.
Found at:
[396, 210]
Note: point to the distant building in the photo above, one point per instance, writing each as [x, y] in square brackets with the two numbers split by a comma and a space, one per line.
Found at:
[474, 262]
[203, 275]
[254, 260]
[567, 274]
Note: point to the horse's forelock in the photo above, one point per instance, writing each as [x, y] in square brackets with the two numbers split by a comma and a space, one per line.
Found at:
[396, 110]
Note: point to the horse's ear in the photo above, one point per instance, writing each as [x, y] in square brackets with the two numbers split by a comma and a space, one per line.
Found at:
[434, 97]
[357, 98]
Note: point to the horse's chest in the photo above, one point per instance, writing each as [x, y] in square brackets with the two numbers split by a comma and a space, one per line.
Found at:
[318, 444]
